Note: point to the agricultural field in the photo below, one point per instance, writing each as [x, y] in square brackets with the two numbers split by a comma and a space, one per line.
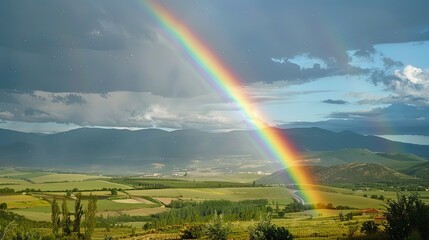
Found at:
[134, 208]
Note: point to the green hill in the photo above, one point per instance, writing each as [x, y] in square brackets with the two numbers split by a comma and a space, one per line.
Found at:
[346, 173]
[344, 156]
[419, 170]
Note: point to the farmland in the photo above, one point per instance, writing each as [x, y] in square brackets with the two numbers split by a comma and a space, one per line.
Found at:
[130, 203]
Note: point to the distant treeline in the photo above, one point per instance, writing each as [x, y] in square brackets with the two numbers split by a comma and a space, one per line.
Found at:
[154, 183]
[190, 211]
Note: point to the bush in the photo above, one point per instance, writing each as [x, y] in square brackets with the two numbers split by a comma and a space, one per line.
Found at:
[264, 230]
[3, 206]
[407, 215]
[193, 232]
[369, 227]
[216, 229]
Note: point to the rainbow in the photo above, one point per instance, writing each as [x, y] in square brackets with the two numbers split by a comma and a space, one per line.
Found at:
[223, 79]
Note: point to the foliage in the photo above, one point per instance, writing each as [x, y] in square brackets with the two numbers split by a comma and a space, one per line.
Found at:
[216, 229]
[78, 212]
[3, 206]
[90, 217]
[346, 217]
[406, 215]
[369, 227]
[193, 232]
[66, 221]
[55, 216]
[6, 191]
[264, 230]
[113, 191]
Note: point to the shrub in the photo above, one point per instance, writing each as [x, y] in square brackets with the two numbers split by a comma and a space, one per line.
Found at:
[193, 232]
[369, 227]
[216, 229]
[3, 206]
[407, 215]
[264, 230]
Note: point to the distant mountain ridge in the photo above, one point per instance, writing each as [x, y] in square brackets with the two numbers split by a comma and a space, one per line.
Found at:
[111, 146]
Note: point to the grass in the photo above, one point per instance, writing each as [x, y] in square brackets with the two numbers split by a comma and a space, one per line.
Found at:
[355, 201]
[62, 186]
[11, 181]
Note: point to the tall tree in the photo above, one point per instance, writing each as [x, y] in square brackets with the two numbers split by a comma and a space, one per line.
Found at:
[90, 220]
[407, 215]
[78, 212]
[66, 222]
[55, 216]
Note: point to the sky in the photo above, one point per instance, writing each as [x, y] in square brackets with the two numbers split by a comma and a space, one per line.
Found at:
[342, 65]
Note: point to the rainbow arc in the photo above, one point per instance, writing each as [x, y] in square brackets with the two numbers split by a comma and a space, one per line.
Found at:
[212, 69]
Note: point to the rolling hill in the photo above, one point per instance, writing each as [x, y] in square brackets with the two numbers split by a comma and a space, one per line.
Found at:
[397, 161]
[346, 173]
[420, 170]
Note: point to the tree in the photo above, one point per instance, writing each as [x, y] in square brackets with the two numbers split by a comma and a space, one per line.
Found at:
[406, 215]
[113, 191]
[90, 216]
[78, 212]
[66, 222]
[3, 206]
[55, 216]
[369, 227]
[216, 229]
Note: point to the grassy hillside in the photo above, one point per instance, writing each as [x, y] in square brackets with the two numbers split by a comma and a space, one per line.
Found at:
[346, 173]
[420, 170]
[344, 156]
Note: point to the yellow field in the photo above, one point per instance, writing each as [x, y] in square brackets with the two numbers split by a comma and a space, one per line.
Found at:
[22, 201]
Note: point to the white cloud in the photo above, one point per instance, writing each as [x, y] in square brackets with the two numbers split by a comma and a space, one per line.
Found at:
[6, 115]
[413, 74]
[411, 83]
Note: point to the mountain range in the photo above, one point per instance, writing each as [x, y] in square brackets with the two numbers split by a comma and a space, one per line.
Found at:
[86, 146]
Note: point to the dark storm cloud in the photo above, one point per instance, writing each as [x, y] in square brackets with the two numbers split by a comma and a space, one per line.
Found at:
[366, 53]
[69, 99]
[102, 46]
[390, 63]
[249, 33]
[395, 112]
[398, 118]
[332, 101]
[87, 46]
